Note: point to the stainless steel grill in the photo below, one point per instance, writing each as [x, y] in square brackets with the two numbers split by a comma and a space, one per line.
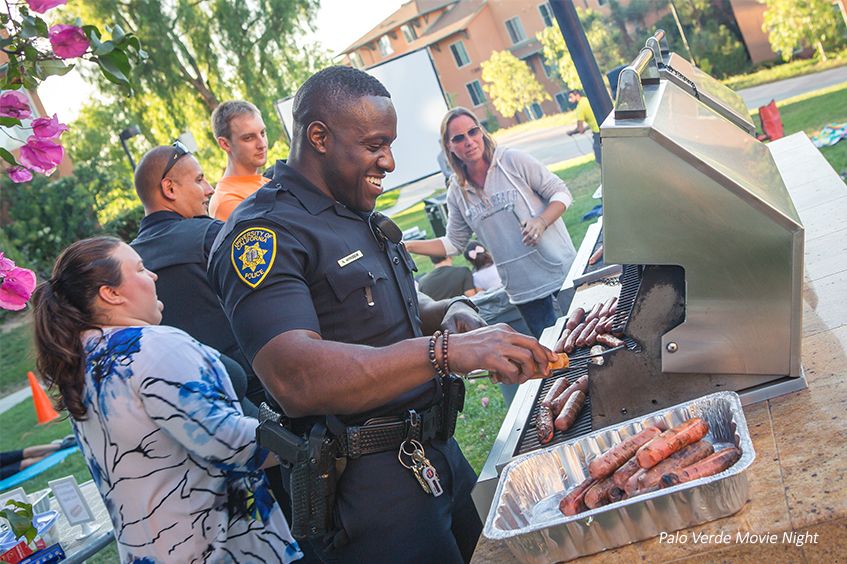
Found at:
[695, 209]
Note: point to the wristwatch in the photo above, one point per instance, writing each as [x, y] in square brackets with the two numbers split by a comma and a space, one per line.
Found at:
[463, 299]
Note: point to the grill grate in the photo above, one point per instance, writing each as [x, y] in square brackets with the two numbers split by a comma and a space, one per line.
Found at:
[630, 284]
[529, 440]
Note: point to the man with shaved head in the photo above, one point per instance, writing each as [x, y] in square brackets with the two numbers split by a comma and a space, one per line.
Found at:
[174, 240]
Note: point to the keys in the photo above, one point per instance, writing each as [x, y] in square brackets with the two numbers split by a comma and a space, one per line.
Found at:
[421, 467]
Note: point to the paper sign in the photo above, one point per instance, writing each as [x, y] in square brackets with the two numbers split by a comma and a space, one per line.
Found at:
[70, 498]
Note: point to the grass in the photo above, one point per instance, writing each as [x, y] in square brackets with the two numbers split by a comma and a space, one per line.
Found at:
[16, 359]
[787, 70]
[804, 113]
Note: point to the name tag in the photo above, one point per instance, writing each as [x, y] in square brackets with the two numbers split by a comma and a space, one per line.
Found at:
[350, 258]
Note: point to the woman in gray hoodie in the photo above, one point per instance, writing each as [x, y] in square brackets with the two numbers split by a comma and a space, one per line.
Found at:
[514, 204]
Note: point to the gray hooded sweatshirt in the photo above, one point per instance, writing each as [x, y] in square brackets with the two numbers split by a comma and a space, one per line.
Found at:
[517, 178]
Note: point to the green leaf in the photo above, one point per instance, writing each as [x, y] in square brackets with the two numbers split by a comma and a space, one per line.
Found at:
[30, 52]
[33, 27]
[91, 32]
[20, 518]
[55, 67]
[104, 48]
[111, 70]
[29, 82]
[120, 61]
[117, 34]
[8, 157]
[9, 122]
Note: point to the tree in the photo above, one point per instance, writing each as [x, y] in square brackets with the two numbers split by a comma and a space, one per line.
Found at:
[204, 52]
[511, 83]
[607, 46]
[792, 23]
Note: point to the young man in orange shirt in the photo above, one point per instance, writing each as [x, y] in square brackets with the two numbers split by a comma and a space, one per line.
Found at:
[240, 132]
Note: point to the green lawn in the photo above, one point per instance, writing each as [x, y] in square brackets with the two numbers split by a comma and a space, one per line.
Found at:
[16, 359]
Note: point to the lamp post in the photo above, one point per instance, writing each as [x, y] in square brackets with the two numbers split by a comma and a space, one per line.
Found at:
[127, 133]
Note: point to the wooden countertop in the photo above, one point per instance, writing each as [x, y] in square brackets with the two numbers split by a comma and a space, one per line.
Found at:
[798, 482]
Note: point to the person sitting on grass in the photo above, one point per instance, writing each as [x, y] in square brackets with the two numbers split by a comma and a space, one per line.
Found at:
[155, 415]
[13, 461]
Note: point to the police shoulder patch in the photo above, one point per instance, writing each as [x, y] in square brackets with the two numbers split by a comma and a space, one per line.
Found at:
[253, 253]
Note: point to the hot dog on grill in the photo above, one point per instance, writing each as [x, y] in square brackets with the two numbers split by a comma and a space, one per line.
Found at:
[571, 340]
[560, 344]
[594, 311]
[544, 424]
[570, 411]
[586, 331]
[609, 340]
[559, 386]
[575, 318]
[604, 311]
[559, 401]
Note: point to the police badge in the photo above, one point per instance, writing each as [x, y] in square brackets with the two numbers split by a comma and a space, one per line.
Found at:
[253, 253]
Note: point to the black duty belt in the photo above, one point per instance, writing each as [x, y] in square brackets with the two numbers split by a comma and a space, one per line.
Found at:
[388, 433]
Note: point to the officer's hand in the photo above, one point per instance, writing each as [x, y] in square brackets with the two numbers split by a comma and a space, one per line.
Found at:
[461, 318]
[499, 348]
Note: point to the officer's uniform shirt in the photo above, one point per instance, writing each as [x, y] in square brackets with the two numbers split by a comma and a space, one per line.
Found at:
[291, 258]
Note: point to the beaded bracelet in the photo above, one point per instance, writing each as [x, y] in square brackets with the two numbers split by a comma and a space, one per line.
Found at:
[444, 353]
[432, 358]
[546, 225]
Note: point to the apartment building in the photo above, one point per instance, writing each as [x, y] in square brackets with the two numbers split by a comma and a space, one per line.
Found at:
[460, 35]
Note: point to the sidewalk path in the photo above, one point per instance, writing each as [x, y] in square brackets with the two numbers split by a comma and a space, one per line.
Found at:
[13, 399]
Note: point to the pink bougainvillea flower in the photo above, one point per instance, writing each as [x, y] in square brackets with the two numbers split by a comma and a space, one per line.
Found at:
[16, 288]
[48, 128]
[485, 402]
[19, 174]
[68, 41]
[14, 104]
[42, 6]
[41, 155]
[5, 264]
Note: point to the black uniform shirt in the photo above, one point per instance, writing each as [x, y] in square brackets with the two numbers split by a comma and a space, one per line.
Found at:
[177, 249]
[291, 258]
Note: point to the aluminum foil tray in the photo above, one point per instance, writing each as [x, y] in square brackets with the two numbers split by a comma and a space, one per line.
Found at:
[525, 513]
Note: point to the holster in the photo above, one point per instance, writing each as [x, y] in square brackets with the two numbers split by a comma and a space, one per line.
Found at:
[313, 473]
[453, 388]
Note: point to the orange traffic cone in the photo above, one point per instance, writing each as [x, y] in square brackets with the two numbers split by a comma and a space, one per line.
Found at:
[43, 407]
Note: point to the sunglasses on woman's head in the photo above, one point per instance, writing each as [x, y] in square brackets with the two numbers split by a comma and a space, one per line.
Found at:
[179, 151]
[472, 132]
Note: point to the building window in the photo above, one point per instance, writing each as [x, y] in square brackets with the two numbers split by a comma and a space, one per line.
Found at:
[356, 59]
[546, 14]
[385, 46]
[476, 93]
[534, 112]
[409, 33]
[460, 55]
[562, 101]
[548, 69]
[515, 29]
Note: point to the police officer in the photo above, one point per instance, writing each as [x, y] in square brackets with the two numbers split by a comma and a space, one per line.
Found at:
[320, 294]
